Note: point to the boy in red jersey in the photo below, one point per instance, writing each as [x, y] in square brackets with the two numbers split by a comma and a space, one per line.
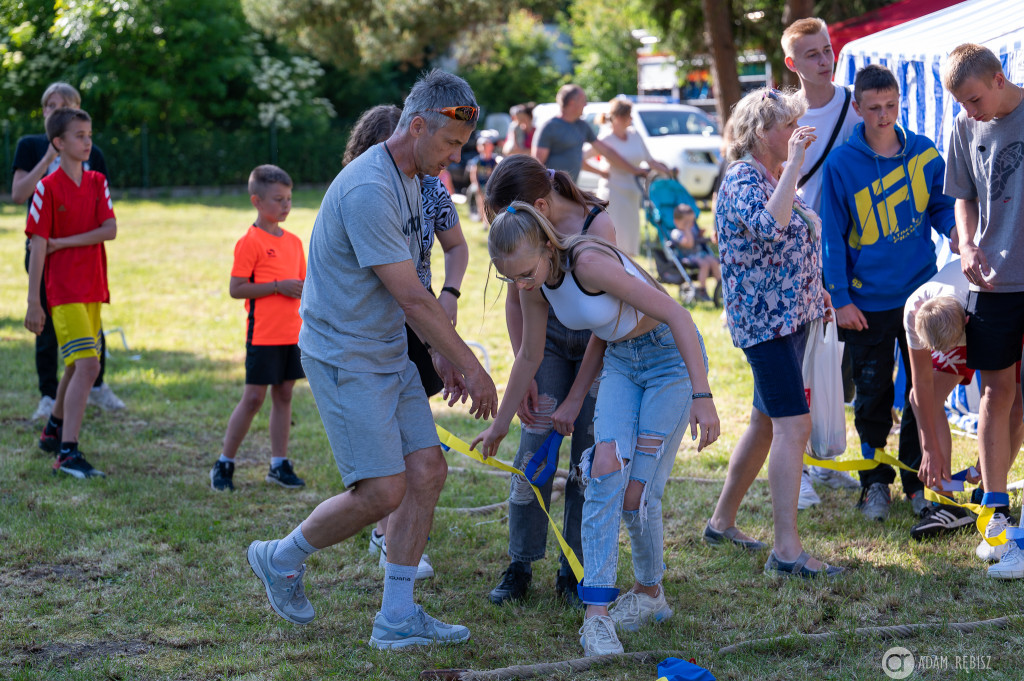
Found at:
[70, 217]
[268, 272]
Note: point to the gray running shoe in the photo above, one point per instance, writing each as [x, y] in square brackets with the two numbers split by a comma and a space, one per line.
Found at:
[597, 636]
[919, 503]
[631, 610]
[285, 591]
[874, 502]
[418, 629]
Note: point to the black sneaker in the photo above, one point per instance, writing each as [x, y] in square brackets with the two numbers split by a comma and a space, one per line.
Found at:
[283, 474]
[50, 442]
[74, 464]
[513, 585]
[221, 474]
[565, 587]
[939, 520]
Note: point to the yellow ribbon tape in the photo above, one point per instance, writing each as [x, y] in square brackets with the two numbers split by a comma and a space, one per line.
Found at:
[984, 513]
[460, 446]
[858, 464]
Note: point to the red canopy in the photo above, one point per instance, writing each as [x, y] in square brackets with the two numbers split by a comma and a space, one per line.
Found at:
[881, 19]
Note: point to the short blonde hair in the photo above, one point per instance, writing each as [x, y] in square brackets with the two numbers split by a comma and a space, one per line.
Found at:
[940, 323]
[969, 61]
[70, 95]
[758, 112]
[799, 29]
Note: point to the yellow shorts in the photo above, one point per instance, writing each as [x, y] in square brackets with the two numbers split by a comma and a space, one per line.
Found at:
[78, 330]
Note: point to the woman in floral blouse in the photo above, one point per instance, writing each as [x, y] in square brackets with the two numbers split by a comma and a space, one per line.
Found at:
[770, 244]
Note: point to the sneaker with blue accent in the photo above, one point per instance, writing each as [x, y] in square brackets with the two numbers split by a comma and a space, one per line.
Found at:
[418, 629]
[284, 475]
[1011, 563]
[632, 609]
[597, 636]
[285, 590]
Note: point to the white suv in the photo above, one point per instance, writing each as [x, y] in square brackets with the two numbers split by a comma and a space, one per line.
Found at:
[680, 136]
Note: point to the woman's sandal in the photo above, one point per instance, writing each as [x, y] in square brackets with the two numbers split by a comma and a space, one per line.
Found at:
[774, 567]
[713, 537]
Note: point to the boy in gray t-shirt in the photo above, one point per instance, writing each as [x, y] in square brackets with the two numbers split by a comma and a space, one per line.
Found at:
[985, 176]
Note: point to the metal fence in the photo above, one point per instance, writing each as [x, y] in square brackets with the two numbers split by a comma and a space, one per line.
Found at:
[212, 155]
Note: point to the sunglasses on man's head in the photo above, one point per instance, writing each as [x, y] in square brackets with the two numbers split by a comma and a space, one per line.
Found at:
[770, 94]
[458, 113]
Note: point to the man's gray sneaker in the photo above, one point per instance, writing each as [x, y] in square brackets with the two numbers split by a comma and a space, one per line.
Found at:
[285, 591]
[874, 502]
[418, 629]
[834, 479]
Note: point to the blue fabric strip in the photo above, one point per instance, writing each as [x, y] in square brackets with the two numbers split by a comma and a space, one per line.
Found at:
[995, 499]
[596, 595]
[547, 454]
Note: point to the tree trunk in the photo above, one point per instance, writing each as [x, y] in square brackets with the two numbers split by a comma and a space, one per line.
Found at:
[795, 9]
[718, 26]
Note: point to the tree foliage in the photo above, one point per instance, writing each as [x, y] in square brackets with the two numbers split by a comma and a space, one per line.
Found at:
[509, 63]
[355, 34]
[603, 44]
[164, 62]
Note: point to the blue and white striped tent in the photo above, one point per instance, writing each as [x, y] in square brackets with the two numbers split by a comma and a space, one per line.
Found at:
[916, 51]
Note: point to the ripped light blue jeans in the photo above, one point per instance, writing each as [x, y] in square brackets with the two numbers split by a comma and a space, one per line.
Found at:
[645, 393]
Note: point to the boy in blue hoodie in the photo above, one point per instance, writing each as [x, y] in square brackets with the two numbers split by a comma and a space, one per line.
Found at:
[881, 197]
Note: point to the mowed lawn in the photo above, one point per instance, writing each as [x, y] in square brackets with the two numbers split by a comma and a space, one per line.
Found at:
[142, 575]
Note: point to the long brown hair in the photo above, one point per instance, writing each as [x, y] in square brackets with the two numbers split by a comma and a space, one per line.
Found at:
[524, 178]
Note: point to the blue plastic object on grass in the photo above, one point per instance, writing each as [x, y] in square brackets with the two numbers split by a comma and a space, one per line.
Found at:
[674, 669]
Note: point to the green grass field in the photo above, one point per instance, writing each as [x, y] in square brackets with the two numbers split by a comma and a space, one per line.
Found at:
[142, 575]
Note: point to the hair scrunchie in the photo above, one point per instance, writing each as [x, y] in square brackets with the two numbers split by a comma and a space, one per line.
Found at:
[551, 173]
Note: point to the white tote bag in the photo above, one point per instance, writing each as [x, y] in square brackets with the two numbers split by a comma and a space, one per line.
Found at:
[823, 385]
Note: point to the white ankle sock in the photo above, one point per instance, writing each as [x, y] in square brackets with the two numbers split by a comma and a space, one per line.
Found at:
[398, 583]
[292, 551]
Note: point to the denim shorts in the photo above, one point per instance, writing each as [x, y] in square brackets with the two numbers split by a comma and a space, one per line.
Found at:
[778, 375]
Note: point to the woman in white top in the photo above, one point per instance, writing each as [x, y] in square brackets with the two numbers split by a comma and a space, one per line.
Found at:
[618, 187]
[653, 384]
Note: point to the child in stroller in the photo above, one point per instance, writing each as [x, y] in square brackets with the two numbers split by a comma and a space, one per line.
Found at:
[694, 249]
[684, 252]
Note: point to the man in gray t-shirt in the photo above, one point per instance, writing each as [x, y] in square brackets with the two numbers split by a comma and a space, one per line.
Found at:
[361, 288]
[559, 141]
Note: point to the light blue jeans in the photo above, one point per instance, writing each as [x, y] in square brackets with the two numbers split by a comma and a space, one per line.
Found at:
[645, 393]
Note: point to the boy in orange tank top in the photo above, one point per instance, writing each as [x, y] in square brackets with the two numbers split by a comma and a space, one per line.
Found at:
[268, 272]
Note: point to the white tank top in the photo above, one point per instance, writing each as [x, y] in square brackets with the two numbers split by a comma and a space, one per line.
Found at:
[606, 316]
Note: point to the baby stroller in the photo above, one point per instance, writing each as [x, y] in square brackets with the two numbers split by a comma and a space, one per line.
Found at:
[673, 264]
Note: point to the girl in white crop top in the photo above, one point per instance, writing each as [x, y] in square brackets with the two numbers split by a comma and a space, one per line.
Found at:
[653, 385]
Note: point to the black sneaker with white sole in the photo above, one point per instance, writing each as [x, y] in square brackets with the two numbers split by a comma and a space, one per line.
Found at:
[939, 520]
[75, 465]
[284, 475]
[221, 474]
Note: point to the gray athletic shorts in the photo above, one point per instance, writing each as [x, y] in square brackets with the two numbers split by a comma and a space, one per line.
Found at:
[373, 421]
